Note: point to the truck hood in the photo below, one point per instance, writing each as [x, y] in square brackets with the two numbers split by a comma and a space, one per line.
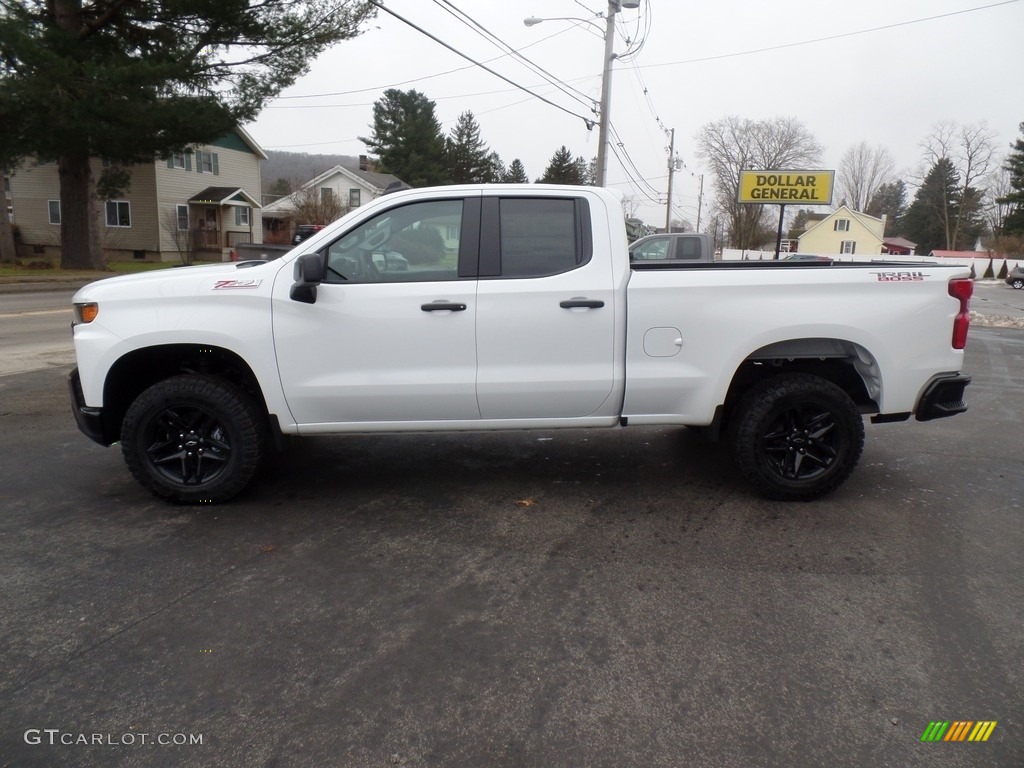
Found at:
[177, 281]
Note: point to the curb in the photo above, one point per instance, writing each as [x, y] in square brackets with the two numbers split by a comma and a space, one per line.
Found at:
[44, 286]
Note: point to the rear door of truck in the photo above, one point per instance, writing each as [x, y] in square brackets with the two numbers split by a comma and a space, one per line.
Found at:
[545, 320]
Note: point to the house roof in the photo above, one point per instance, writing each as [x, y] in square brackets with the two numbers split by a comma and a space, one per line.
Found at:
[375, 182]
[224, 196]
[900, 242]
[870, 223]
[961, 254]
[256, 148]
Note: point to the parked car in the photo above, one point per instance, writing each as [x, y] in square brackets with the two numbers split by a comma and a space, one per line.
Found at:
[1016, 278]
[304, 231]
[672, 247]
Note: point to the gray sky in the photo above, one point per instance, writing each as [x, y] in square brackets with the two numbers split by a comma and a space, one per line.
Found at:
[880, 71]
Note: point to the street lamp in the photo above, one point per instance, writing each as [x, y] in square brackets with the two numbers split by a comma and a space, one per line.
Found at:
[606, 76]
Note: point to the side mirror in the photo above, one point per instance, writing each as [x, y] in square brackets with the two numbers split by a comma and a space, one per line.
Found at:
[309, 273]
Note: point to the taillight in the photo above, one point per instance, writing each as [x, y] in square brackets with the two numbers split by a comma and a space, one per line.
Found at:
[962, 288]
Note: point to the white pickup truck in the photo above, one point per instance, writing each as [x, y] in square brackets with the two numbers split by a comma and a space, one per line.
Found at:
[509, 307]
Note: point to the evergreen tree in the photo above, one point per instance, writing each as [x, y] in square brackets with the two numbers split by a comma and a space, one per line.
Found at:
[1013, 222]
[469, 160]
[515, 173]
[131, 81]
[563, 169]
[889, 200]
[495, 169]
[407, 138]
[941, 216]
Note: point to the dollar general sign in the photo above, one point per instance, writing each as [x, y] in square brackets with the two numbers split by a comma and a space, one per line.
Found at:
[784, 187]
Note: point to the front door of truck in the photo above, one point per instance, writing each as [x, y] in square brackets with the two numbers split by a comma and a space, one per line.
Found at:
[391, 335]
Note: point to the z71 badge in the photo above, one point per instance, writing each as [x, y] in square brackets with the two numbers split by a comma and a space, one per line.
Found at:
[899, 277]
[221, 285]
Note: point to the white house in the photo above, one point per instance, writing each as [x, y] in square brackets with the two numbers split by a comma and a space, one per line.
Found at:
[352, 187]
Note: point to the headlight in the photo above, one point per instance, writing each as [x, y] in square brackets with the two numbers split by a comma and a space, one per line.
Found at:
[86, 313]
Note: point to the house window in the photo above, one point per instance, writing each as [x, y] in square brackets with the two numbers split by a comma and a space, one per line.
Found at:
[182, 211]
[54, 209]
[242, 216]
[848, 246]
[326, 195]
[842, 225]
[206, 162]
[178, 160]
[119, 213]
[353, 198]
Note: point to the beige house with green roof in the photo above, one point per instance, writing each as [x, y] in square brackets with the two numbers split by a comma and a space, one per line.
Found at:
[206, 200]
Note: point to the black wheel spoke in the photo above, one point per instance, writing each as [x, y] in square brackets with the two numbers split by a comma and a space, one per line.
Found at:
[188, 444]
[800, 442]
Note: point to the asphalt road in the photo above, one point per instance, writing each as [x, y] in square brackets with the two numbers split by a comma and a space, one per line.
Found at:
[35, 331]
[611, 598]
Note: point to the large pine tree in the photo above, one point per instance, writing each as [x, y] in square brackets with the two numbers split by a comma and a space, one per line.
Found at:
[564, 169]
[469, 159]
[1013, 222]
[515, 173]
[889, 200]
[407, 138]
[132, 80]
[942, 215]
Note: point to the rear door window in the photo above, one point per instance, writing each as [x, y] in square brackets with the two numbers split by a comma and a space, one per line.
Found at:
[533, 237]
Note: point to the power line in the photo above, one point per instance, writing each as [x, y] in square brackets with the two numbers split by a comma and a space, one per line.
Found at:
[586, 120]
[379, 88]
[481, 30]
[830, 37]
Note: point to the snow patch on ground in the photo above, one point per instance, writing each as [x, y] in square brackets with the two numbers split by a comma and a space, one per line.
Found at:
[996, 321]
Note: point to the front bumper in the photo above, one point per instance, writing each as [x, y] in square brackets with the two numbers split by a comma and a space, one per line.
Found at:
[944, 396]
[89, 420]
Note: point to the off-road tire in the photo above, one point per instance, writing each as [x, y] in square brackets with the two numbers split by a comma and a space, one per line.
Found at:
[796, 436]
[193, 439]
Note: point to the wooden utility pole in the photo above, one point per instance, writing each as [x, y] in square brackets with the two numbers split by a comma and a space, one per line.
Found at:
[671, 168]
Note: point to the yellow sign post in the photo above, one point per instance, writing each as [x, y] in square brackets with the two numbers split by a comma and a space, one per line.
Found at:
[783, 187]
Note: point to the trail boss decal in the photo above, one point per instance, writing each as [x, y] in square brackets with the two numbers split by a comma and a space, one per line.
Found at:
[899, 277]
[222, 285]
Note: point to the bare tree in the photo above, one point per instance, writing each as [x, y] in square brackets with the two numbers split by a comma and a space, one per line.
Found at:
[317, 205]
[1000, 186]
[733, 144]
[862, 170]
[971, 149]
[184, 239]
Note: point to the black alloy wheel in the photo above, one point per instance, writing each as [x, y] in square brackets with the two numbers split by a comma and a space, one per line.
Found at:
[796, 436]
